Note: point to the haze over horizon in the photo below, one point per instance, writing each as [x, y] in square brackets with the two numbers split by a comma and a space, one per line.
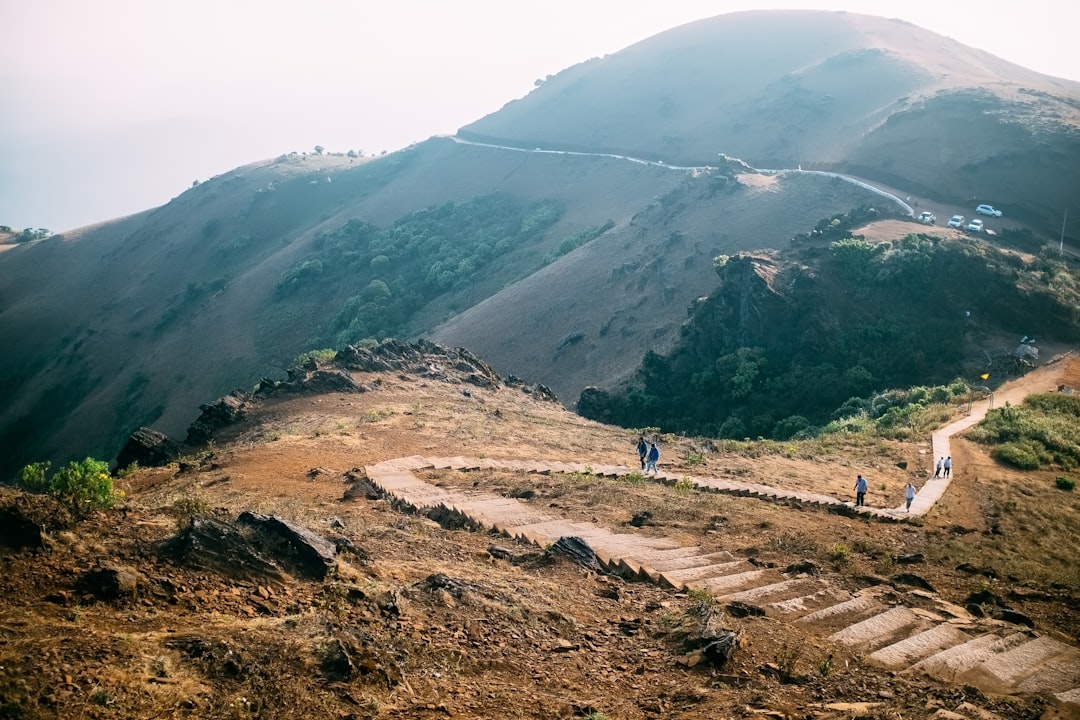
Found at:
[117, 106]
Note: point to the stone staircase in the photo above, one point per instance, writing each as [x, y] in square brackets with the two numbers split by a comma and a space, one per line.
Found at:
[936, 638]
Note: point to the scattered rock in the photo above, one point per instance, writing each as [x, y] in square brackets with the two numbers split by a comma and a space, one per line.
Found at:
[522, 493]
[985, 597]
[909, 559]
[740, 609]
[802, 567]
[641, 518]
[336, 662]
[149, 448]
[362, 489]
[500, 553]
[913, 580]
[974, 570]
[716, 649]
[561, 645]
[216, 655]
[1016, 618]
[19, 531]
[111, 582]
[299, 549]
[579, 551]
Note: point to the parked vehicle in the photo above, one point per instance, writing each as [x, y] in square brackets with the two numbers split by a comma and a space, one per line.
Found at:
[927, 218]
[956, 221]
[988, 210]
[975, 226]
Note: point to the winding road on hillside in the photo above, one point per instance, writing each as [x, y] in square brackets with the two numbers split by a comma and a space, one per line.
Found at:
[699, 168]
[906, 204]
[915, 632]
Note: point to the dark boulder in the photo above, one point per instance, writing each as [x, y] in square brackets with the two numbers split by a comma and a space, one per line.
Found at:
[302, 551]
[209, 544]
[111, 582]
[912, 580]
[149, 448]
[19, 531]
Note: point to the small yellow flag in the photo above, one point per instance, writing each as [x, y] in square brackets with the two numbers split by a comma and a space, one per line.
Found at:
[985, 375]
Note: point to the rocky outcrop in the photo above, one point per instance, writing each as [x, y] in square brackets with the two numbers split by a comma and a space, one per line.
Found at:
[148, 448]
[209, 544]
[422, 358]
[221, 413]
[298, 549]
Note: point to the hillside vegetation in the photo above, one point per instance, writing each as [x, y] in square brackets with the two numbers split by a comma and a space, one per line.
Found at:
[786, 347]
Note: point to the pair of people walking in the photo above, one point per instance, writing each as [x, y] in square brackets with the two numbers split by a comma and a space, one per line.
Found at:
[861, 487]
[648, 454]
[943, 467]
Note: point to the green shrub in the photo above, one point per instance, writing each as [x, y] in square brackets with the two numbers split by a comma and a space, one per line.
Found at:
[1023, 455]
[840, 555]
[1064, 483]
[81, 486]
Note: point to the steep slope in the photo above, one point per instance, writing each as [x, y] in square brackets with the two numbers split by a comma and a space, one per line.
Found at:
[137, 321]
[843, 91]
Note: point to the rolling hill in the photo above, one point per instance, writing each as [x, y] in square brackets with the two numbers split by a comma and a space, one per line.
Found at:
[561, 238]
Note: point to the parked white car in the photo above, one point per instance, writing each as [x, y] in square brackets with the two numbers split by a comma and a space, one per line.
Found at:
[975, 225]
[927, 218]
[956, 221]
[988, 210]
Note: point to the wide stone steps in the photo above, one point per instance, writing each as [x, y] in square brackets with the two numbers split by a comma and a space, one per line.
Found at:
[950, 646]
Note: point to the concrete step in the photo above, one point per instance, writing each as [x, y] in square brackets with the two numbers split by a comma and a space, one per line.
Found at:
[827, 596]
[842, 614]
[879, 630]
[774, 591]
[734, 582]
[679, 579]
[1071, 696]
[912, 649]
[950, 664]
[662, 564]
[1039, 664]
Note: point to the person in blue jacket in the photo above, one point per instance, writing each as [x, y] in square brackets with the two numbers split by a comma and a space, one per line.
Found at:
[860, 491]
[652, 458]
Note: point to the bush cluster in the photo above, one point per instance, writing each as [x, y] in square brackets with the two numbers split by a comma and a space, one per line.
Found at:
[82, 486]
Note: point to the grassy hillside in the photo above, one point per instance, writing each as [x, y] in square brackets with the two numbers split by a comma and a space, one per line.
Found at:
[829, 90]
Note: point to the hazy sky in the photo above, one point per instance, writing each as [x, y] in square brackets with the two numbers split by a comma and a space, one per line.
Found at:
[114, 106]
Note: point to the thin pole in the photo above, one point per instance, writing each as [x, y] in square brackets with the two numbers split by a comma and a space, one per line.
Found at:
[1061, 245]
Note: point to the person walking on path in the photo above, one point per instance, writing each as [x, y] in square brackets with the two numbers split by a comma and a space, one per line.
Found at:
[652, 458]
[860, 491]
[938, 468]
[948, 466]
[642, 451]
[909, 494]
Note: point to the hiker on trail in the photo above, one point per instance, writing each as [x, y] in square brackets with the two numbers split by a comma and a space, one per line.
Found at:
[860, 491]
[642, 451]
[948, 466]
[909, 494]
[940, 465]
[653, 458]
